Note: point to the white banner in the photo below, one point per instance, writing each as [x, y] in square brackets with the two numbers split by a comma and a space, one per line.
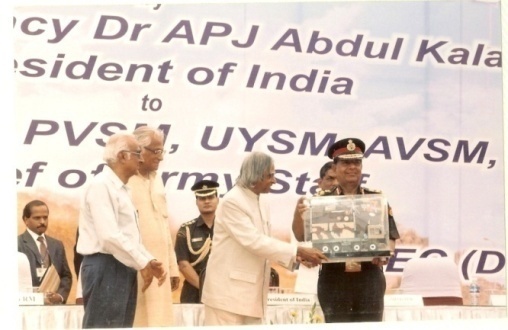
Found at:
[419, 82]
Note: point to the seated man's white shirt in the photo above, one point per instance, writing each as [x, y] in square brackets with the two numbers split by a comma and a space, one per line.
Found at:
[431, 277]
[24, 274]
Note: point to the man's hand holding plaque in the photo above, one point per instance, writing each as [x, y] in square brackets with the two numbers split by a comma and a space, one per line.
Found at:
[310, 257]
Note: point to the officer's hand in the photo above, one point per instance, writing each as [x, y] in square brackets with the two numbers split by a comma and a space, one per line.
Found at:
[302, 205]
[175, 282]
[379, 262]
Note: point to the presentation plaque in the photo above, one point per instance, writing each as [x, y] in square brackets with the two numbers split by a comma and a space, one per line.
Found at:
[347, 228]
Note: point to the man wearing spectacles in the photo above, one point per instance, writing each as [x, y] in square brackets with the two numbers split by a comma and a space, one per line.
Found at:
[194, 239]
[110, 242]
[154, 305]
[155, 150]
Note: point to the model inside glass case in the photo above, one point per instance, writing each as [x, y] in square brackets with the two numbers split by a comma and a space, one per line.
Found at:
[349, 227]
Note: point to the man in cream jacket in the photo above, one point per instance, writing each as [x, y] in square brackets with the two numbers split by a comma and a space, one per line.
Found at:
[237, 275]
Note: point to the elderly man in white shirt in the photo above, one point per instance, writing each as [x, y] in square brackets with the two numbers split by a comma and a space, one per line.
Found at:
[110, 242]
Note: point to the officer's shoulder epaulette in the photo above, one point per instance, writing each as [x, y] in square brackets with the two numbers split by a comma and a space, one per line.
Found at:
[372, 191]
[188, 223]
[320, 193]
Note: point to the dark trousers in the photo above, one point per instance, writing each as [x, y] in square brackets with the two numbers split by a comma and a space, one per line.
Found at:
[189, 294]
[109, 292]
[351, 297]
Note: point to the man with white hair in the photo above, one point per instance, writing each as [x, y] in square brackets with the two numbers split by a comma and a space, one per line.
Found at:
[154, 306]
[238, 270]
[110, 242]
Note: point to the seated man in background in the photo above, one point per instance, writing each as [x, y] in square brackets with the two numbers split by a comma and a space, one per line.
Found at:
[43, 251]
[436, 279]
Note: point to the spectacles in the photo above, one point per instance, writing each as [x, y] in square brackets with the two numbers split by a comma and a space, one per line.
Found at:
[156, 151]
[137, 153]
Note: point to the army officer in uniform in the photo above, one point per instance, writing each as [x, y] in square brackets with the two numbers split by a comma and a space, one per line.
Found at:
[350, 291]
[194, 239]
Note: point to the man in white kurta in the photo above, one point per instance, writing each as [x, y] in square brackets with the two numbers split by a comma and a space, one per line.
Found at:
[155, 305]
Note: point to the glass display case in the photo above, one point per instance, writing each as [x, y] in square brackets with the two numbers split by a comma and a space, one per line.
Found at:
[349, 227]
